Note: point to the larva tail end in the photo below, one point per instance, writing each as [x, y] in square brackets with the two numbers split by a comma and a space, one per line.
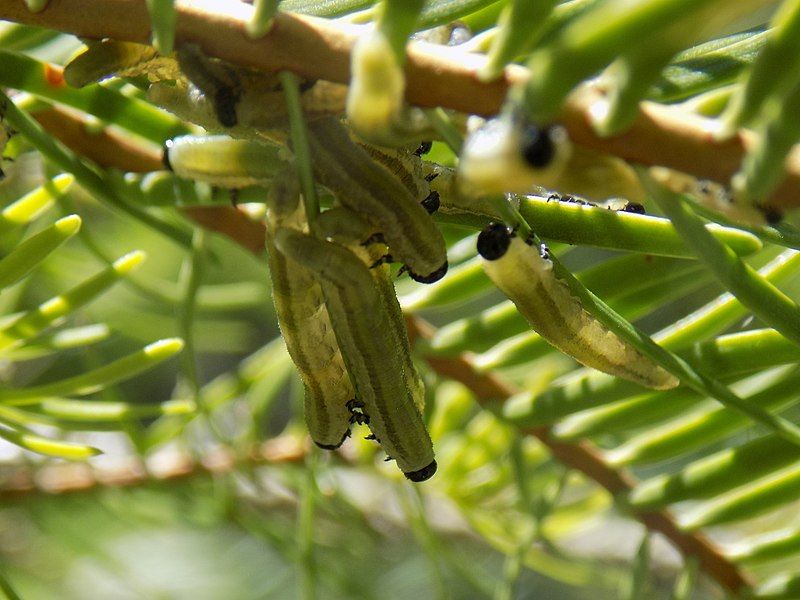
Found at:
[430, 278]
[423, 474]
[494, 240]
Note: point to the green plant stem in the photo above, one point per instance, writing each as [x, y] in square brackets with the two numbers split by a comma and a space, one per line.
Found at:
[300, 146]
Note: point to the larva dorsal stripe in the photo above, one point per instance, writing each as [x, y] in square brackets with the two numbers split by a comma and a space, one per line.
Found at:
[378, 196]
[358, 317]
[306, 327]
[345, 227]
[525, 274]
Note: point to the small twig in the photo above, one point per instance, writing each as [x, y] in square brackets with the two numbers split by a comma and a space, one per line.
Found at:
[435, 76]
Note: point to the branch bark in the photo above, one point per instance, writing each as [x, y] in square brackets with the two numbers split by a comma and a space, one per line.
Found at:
[436, 76]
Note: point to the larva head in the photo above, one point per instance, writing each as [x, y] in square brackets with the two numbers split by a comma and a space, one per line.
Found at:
[494, 240]
[423, 473]
[431, 277]
[509, 154]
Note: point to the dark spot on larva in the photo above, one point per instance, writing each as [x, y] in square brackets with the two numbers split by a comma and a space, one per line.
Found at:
[422, 474]
[423, 148]
[536, 146]
[431, 202]
[430, 177]
[633, 207]
[772, 215]
[431, 277]
[225, 100]
[494, 240]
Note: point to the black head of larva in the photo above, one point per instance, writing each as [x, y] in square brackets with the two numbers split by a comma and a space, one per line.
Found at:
[423, 474]
[424, 148]
[165, 155]
[634, 207]
[494, 240]
[537, 146]
[430, 278]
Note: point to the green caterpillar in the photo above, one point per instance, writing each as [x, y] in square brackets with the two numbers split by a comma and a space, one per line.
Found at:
[360, 321]
[345, 227]
[373, 192]
[306, 327]
[524, 273]
[224, 161]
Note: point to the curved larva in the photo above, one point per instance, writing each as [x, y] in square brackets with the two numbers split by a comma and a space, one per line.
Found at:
[374, 193]
[359, 318]
[224, 161]
[306, 328]
[524, 273]
[345, 227]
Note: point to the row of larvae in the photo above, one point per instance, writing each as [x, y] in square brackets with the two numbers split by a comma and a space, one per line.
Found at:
[345, 332]
[332, 288]
[387, 188]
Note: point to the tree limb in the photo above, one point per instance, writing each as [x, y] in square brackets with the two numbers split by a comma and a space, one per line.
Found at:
[436, 76]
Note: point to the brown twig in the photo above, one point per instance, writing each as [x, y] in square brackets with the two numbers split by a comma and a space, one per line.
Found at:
[436, 76]
[112, 148]
[583, 457]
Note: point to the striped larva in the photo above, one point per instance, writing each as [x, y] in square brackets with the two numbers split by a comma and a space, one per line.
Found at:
[360, 321]
[306, 327]
[345, 227]
[525, 274]
[377, 195]
[224, 161]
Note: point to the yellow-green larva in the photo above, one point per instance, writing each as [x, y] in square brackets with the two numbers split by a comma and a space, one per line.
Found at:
[524, 273]
[345, 227]
[360, 321]
[224, 161]
[306, 327]
[378, 196]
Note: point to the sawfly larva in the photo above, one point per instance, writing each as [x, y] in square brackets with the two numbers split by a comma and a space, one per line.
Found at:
[373, 192]
[345, 227]
[306, 327]
[360, 321]
[525, 274]
[224, 161]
